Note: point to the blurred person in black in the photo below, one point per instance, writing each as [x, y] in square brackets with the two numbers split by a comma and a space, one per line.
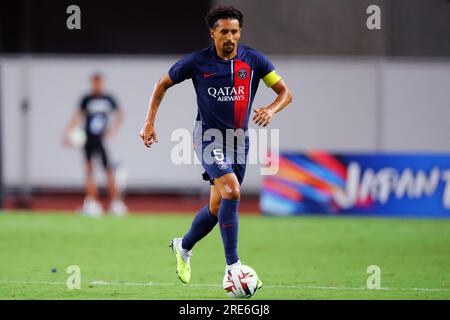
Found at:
[95, 110]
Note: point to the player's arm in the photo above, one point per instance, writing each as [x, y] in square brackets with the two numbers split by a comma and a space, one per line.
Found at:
[148, 133]
[74, 122]
[263, 116]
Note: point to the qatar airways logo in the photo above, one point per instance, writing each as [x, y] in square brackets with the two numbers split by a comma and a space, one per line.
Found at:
[227, 94]
[389, 182]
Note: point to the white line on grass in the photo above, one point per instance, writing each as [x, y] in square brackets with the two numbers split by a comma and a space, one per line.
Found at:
[159, 284]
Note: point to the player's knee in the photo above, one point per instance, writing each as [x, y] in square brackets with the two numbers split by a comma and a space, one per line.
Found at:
[231, 193]
[109, 172]
[89, 169]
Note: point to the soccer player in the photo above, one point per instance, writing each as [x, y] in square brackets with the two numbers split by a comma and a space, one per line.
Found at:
[95, 110]
[225, 77]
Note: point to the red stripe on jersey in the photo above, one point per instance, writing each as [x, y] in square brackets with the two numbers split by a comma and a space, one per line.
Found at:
[242, 77]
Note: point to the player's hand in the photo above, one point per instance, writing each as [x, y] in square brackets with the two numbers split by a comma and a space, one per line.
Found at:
[263, 116]
[109, 134]
[148, 134]
[65, 141]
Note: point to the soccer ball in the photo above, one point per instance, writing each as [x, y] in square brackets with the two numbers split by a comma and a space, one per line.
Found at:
[77, 137]
[240, 281]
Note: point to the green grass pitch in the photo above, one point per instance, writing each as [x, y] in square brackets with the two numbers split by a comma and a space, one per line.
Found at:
[296, 257]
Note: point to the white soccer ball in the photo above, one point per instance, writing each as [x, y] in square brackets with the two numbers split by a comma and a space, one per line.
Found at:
[77, 137]
[240, 281]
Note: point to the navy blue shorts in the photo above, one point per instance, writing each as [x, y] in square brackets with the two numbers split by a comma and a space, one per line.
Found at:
[218, 158]
[216, 171]
[94, 147]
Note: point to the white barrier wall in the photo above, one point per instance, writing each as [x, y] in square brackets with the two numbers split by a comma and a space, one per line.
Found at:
[416, 99]
[340, 104]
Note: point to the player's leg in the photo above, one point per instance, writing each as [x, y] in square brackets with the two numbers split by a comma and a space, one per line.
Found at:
[111, 181]
[91, 205]
[203, 223]
[214, 201]
[117, 206]
[229, 188]
[112, 190]
[91, 187]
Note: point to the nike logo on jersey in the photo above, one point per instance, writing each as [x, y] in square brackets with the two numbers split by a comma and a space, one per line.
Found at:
[207, 75]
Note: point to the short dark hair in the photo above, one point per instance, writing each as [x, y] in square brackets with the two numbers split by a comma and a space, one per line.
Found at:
[223, 12]
[97, 76]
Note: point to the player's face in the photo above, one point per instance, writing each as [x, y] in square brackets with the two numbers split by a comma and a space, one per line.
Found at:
[226, 35]
[97, 85]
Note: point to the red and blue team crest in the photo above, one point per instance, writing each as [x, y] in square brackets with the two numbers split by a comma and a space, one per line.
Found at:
[242, 73]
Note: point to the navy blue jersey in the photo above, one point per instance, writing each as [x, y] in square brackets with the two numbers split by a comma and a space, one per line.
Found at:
[225, 88]
[225, 91]
[97, 109]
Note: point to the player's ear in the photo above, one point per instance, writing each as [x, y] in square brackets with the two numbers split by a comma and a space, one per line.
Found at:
[211, 33]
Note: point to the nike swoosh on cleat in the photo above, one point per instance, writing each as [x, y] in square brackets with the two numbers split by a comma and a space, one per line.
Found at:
[207, 75]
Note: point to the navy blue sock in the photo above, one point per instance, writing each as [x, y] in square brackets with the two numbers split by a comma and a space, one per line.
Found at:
[228, 221]
[202, 224]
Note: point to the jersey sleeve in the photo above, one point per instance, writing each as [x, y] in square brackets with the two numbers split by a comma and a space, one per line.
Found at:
[182, 69]
[266, 70]
[113, 103]
[83, 104]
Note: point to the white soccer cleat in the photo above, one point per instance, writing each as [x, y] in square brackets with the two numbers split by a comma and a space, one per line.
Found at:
[118, 208]
[228, 267]
[92, 208]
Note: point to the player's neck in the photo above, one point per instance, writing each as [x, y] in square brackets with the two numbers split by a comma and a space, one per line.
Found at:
[226, 56]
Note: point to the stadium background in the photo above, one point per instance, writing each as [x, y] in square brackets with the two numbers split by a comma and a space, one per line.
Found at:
[356, 90]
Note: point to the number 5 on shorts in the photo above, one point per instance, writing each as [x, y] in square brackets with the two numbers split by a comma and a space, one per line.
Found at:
[218, 154]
